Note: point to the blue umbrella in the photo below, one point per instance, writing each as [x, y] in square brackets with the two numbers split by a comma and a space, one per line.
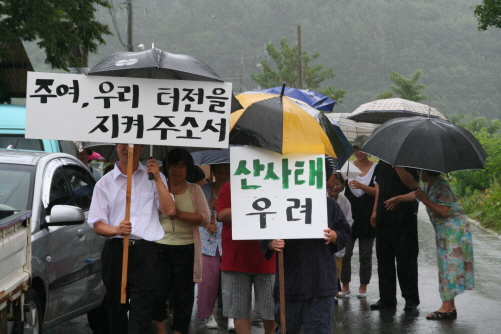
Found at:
[312, 98]
[346, 144]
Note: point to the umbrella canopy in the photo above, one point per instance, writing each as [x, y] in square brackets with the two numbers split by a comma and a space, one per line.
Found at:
[155, 64]
[96, 157]
[346, 144]
[158, 64]
[380, 111]
[350, 128]
[308, 96]
[211, 157]
[349, 171]
[108, 151]
[426, 143]
[283, 125]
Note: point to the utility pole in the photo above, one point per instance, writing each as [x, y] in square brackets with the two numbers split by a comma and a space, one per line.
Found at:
[241, 74]
[129, 26]
[300, 57]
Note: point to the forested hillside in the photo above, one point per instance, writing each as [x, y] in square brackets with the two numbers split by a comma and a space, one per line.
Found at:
[362, 40]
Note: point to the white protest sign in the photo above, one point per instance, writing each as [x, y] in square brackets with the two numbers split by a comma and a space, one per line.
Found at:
[276, 196]
[128, 110]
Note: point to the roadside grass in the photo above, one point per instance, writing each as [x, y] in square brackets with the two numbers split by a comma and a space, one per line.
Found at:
[484, 206]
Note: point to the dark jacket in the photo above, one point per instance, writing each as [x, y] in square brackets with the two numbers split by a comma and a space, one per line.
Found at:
[309, 265]
[390, 185]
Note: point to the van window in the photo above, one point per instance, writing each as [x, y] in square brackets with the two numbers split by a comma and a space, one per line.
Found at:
[16, 186]
[21, 143]
[82, 185]
[59, 192]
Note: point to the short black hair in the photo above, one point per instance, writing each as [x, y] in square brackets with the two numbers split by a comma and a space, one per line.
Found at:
[340, 177]
[330, 167]
[198, 175]
[174, 156]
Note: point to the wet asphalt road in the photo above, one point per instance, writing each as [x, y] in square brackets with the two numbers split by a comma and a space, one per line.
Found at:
[479, 310]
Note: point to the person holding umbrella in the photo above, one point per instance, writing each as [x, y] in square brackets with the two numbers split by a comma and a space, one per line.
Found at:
[453, 236]
[106, 216]
[432, 144]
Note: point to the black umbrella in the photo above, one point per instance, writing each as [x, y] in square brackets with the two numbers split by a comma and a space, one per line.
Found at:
[158, 64]
[108, 151]
[426, 143]
[155, 64]
[211, 157]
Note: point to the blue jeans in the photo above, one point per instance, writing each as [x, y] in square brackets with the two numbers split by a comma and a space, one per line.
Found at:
[315, 315]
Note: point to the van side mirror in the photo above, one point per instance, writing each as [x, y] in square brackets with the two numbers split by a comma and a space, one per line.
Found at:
[61, 215]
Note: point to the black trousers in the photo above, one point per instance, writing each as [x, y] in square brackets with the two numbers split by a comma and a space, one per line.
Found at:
[140, 286]
[174, 275]
[365, 246]
[397, 242]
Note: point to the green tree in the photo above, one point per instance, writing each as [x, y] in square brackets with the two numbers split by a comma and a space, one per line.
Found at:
[405, 88]
[287, 70]
[476, 124]
[59, 26]
[487, 133]
[488, 14]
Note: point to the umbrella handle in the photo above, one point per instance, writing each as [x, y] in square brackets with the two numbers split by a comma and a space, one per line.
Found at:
[150, 175]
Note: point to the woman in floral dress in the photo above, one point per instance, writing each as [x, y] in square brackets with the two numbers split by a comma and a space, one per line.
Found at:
[453, 237]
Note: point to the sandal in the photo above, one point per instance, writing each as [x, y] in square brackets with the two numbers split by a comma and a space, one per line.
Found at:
[442, 315]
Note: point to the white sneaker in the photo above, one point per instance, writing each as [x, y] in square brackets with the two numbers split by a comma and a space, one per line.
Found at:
[231, 324]
[210, 322]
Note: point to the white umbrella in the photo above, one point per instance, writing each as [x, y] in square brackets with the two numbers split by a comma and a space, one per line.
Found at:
[349, 170]
[350, 128]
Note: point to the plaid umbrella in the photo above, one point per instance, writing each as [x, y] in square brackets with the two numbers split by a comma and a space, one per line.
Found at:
[350, 128]
[380, 111]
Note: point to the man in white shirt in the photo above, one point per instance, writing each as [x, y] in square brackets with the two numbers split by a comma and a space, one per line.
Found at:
[106, 216]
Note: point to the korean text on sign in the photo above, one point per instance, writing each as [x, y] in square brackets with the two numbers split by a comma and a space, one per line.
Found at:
[131, 110]
[277, 196]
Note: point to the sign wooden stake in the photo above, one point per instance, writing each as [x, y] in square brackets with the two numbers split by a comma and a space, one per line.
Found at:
[125, 256]
[283, 327]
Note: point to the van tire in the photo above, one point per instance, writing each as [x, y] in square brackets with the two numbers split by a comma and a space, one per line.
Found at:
[33, 316]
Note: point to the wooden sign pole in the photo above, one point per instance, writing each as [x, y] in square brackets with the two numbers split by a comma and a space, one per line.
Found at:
[283, 327]
[125, 256]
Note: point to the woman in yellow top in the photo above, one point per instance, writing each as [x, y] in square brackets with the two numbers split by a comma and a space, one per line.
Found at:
[180, 252]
